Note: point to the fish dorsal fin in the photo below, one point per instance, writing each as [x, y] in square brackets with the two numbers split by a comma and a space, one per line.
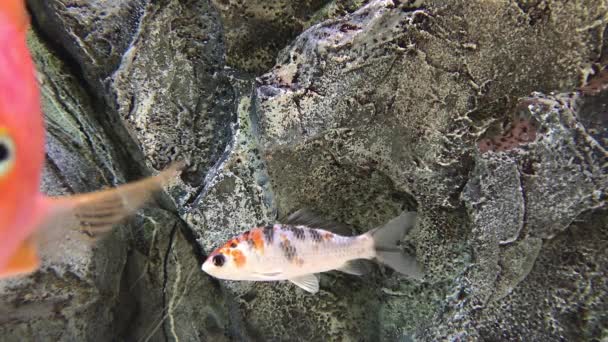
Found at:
[306, 217]
[309, 282]
[356, 267]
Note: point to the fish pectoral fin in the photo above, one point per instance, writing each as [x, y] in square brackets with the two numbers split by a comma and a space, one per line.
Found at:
[309, 282]
[306, 217]
[97, 212]
[25, 260]
[355, 267]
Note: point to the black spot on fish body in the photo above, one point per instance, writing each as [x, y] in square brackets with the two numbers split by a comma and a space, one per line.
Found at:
[298, 233]
[289, 251]
[315, 235]
[269, 234]
[247, 237]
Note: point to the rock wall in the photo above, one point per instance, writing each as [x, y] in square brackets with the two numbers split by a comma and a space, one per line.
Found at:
[488, 118]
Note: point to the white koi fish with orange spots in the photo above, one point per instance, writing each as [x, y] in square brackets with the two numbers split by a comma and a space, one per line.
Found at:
[304, 246]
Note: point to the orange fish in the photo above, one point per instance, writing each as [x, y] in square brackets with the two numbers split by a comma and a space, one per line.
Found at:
[26, 213]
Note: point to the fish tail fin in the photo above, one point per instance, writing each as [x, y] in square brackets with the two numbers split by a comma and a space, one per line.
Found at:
[97, 212]
[386, 239]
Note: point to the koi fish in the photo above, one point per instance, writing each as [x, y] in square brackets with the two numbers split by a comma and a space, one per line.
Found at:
[304, 246]
[26, 213]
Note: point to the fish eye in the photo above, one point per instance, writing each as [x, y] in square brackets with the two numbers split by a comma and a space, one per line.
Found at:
[7, 153]
[219, 260]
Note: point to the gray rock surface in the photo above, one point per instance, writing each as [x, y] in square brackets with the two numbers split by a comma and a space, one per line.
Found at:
[95, 34]
[163, 296]
[170, 89]
[257, 29]
[466, 111]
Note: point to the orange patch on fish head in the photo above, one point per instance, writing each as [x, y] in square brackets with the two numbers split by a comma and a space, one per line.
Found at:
[238, 257]
[231, 244]
[217, 251]
[230, 251]
[328, 236]
[226, 262]
[227, 248]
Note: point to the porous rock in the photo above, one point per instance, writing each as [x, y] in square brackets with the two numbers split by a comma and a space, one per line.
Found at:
[401, 92]
[163, 296]
[256, 30]
[94, 34]
[170, 89]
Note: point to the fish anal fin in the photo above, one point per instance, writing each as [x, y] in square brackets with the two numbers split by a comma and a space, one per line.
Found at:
[25, 260]
[306, 217]
[356, 267]
[309, 282]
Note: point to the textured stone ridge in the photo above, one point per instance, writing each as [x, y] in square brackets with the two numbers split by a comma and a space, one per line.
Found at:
[488, 118]
[170, 89]
[162, 295]
[257, 29]
[95, 34]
